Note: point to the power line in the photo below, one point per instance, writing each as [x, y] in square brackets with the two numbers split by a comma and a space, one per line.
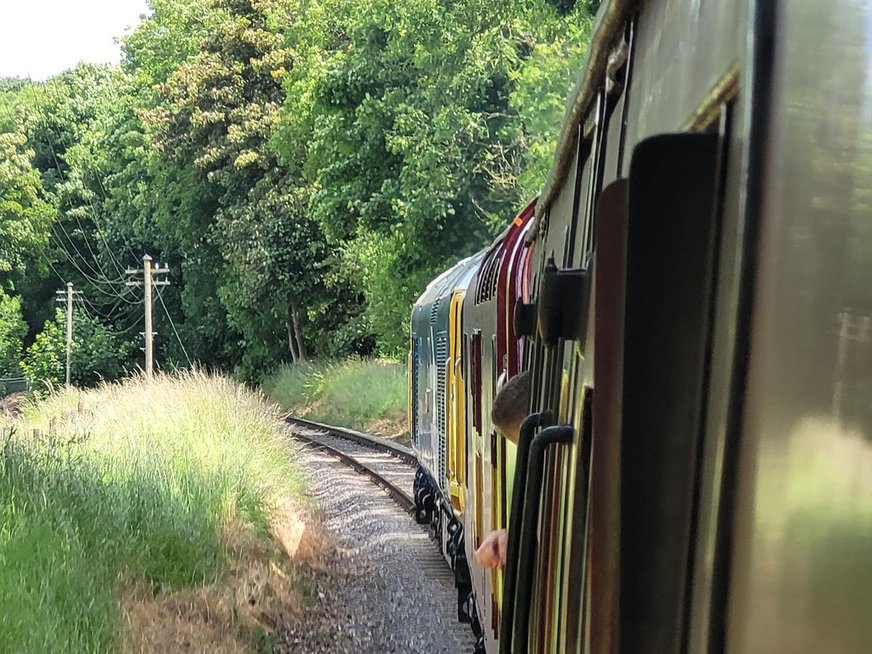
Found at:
[99, 181]
[51, 265]
[95, 280]
[136, 323]
[78, 222]
[75, 247]
[86, 301]
[98, 272]
[94, 212]
[97, 283]
[99, 229]
[173, 325]
[96, 311]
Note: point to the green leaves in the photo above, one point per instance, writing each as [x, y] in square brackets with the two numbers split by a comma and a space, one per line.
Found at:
[98, 353]
[24, 215]
[422, 127]
[43, 364]
[305, 167]
[13, 329]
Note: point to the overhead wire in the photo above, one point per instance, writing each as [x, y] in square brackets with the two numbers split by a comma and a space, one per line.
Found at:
[90, 309]
[113, 310]
[97, 227]
[83, 297]
[51, 265]
[172, 324]
[97, 174]
[133, 325]
[124, 243]
[105, 280]
[78, 222]
[75, 247]
[96, 273]
[96, 283]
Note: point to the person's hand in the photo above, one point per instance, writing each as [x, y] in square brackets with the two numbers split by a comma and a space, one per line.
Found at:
[492, 552]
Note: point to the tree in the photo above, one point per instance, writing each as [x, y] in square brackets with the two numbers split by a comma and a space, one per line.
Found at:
[12, 332]
[24, 215]
[303, 167]
[98, 353]
[57, 120]
[215, 117]
[413, 123]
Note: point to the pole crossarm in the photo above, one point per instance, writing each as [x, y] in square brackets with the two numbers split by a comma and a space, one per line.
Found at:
[68, 296]
[148, 282]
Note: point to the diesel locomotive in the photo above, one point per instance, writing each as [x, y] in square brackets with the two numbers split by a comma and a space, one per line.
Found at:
[692, 296]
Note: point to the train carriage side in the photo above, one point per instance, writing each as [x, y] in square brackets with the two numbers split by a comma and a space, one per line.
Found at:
[457, 501]
[492, 354]
[706, 486]
[509, 356]
[479, 329]
[435, 358]
[429, 331]
[647, 75]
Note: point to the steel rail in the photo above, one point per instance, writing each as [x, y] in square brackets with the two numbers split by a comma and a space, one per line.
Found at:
[394, 449]
[396, 493]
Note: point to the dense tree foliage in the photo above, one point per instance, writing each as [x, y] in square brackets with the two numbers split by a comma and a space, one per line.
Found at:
[421, 127]
[97, 353]
[303, 167]
[12, 332]
[24, 213]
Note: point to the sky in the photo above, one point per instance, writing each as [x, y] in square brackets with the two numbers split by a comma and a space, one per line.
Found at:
[41, 38]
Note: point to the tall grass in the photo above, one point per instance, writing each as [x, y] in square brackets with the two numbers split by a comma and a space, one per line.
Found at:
[357, 393]
[133, 482]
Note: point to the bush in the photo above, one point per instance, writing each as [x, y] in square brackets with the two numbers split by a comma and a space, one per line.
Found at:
[98, 353]
[391, 284]
[12, 331]
[361, 394]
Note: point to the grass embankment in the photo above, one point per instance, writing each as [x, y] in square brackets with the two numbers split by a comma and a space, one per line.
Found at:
[364, 394]
[144, 517]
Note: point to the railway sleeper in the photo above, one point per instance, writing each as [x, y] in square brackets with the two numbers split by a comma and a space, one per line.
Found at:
[429, 506]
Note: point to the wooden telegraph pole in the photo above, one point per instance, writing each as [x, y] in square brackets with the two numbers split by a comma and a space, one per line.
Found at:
[70, 296]
[149, 331]
[148, 282]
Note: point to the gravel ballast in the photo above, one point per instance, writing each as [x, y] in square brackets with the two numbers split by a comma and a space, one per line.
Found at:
[385, 588]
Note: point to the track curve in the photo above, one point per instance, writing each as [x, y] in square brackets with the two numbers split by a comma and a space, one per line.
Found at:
[394, 449]
[325, 437]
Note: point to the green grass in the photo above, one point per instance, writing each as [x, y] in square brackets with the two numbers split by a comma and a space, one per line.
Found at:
[133, 482]
[358, 393]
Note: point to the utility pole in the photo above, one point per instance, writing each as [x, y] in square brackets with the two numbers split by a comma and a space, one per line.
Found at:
[148, 282]
[69, 329]
[149, 332]
[70, 295]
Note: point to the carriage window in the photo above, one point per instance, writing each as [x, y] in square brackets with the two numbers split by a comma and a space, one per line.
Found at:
[476, 380]
[674, 181]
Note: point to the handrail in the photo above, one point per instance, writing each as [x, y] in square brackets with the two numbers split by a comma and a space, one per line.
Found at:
[525, 439]
[556, 435]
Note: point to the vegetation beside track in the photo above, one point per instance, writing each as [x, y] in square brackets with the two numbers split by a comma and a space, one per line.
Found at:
[138, 516]
[364, 394]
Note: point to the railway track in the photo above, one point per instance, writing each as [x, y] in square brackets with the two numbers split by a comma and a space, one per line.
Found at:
[389, 465]
[396, 594]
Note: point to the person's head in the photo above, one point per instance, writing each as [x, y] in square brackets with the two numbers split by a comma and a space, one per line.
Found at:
[510, 405]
